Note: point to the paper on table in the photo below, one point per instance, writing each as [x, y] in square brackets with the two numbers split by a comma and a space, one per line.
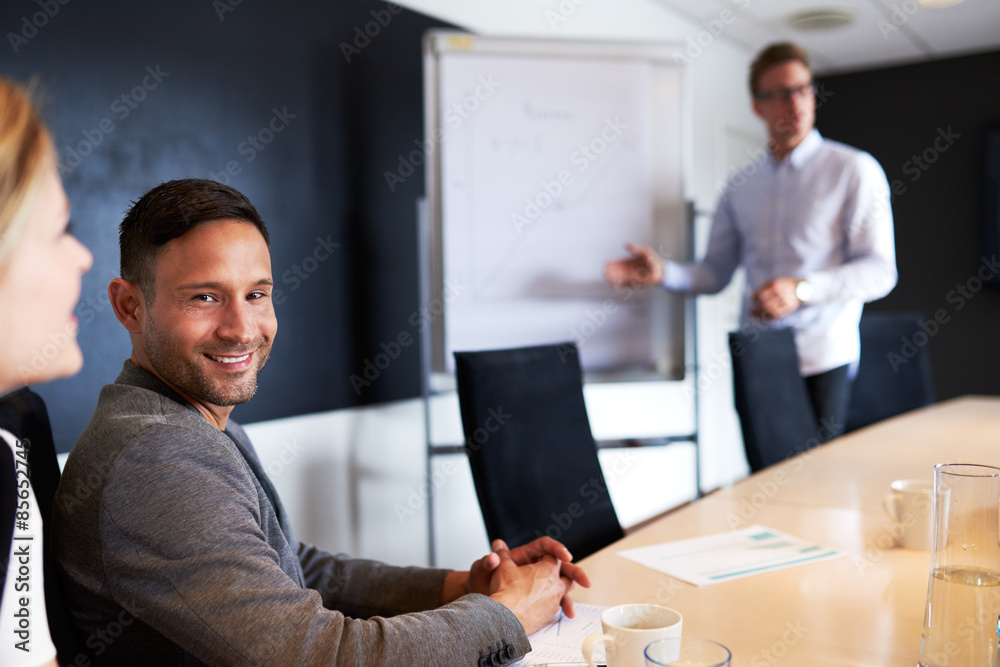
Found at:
[742, 553]
[562, 639]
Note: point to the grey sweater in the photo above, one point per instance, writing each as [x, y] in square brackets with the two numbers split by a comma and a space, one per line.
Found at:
[173, 549]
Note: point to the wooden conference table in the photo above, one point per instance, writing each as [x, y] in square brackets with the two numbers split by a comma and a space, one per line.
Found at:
[863, 609]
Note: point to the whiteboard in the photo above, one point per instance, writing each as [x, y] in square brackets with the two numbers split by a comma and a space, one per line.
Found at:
[544, 159]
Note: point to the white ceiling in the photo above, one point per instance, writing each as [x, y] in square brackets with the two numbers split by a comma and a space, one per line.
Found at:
[883, 33]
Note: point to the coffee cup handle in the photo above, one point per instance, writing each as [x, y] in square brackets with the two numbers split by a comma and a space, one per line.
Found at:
[891, 505]
[590, 642]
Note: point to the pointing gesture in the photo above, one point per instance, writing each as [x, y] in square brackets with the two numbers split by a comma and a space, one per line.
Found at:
[642, 269]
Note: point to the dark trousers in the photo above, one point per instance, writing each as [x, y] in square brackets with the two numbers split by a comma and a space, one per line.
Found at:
[829, 393]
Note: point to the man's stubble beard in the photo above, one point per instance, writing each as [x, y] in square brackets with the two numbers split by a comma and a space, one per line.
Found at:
[185, 374]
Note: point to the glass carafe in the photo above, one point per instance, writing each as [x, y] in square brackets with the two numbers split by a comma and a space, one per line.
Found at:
[963, 592]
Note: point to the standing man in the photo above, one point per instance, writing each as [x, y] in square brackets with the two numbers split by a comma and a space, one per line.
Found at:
[172, 543]
[812, 225]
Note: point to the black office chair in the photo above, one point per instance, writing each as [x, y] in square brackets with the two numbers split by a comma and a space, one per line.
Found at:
[8, 507]
[894, 375]
[23, 413]
[533, 457]
[776, 415]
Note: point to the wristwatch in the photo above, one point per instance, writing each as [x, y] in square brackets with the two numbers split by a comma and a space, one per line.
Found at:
[804, 291]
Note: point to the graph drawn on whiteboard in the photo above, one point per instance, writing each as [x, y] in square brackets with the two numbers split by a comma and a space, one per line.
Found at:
[547, 168]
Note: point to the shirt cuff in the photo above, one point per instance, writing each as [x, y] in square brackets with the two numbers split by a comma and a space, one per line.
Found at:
[823, 286]
[676, 277]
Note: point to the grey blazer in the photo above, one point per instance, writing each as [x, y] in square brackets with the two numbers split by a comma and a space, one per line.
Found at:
[173, 549]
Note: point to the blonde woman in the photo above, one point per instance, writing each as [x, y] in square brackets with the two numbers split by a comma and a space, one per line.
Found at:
[41, 265]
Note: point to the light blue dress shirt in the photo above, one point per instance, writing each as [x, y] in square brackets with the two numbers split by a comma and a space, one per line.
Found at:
[822, 213]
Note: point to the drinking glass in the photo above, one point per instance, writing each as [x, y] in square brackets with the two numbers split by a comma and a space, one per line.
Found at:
[687, 652]
[963, 591]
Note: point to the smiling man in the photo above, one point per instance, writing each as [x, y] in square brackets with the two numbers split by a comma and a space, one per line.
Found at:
[172, 543]
[812, 225]
[210, 333]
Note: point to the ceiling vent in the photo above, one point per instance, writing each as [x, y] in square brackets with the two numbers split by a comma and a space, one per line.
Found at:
[820, 18]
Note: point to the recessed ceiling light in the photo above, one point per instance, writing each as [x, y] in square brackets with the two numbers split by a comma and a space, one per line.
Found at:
[821, 18]
[938, 4]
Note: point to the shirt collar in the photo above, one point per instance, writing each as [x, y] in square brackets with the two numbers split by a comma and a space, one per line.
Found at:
[805, 150]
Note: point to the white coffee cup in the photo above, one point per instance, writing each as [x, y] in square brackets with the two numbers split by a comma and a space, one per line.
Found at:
[910, 505]
[629, 629]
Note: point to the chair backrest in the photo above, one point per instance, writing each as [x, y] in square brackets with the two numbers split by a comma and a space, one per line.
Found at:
[894, 375]
[8, 507]
[776, 415]
[23, 413]
[533, 457]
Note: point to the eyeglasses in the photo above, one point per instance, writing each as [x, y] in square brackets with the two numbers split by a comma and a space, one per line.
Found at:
[785, 94]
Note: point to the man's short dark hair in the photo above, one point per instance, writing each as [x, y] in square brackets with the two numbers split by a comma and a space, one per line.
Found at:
[775, 54]
[170, 211]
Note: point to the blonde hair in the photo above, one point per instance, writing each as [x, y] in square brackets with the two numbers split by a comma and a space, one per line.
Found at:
[25, 150]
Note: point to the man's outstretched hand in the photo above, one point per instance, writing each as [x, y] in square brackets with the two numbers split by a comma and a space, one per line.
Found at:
[642, 269]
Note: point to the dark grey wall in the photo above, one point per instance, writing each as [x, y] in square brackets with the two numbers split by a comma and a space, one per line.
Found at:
[927, 124]
[293, 104]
